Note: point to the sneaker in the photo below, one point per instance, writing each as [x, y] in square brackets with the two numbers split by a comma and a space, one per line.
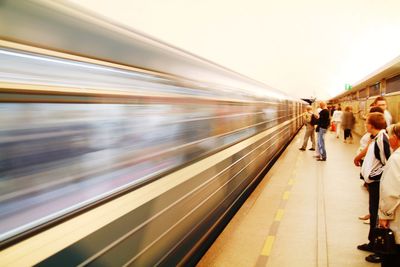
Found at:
[312, 149]
[302, 149]
[365, 247]
[366, 221]
[321, 159]
[375, 258]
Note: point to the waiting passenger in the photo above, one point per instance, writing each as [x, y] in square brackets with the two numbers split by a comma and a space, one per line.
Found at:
[309, 118]
[361, 152]
[348, 121]
[317, 155]
[381, 102]
[389, 199]
[378, 152]
[337, 120]
[323, 124]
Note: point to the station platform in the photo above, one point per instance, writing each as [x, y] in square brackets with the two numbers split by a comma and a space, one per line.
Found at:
[303, 213]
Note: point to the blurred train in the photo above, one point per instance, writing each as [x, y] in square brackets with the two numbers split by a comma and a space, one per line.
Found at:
[116, 149]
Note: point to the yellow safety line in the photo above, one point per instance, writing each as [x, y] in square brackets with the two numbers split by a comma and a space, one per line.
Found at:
[268, 246]
[279, 215]
[286, 195]
[266, 251]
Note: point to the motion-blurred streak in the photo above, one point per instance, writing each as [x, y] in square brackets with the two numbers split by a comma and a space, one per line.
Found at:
[76, 130]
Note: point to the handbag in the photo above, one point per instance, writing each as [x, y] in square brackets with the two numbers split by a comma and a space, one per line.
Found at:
[333, 127]
[384, 242]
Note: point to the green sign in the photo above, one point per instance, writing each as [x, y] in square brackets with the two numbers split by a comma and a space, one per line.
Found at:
[347, 86]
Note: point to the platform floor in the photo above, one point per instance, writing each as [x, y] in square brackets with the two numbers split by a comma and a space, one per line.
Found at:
[304, 213]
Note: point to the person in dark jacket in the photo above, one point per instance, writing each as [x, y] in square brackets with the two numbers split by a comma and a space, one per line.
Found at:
[323, 124]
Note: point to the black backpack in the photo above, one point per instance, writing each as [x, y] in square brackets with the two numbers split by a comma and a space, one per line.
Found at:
[314, 120]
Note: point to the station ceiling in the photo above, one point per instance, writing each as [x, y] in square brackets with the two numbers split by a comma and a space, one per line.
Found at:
[307, 48]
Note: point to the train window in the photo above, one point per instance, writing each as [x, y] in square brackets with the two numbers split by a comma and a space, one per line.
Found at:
[393, 84]
[374, 89]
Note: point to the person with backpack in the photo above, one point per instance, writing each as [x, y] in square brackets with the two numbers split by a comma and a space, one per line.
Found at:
[310, 120]
[378, 152]
[361, 152]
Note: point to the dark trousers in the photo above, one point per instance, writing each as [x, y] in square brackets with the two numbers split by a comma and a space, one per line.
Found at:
[347, 133]
[373, 190]
[392, 260]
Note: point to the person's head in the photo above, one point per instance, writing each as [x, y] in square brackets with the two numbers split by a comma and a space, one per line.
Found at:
[348, 108]
[339, 108]
[376, 109]
[380, 101]
[309, 108]
[322, 104]
[394, 135]
[375, 122]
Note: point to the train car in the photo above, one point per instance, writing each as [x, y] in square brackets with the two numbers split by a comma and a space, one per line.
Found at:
[117, 149]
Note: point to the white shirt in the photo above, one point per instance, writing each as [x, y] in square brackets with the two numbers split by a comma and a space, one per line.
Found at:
[364, 142]
[388, 118]
[337, 116]
[389, 199]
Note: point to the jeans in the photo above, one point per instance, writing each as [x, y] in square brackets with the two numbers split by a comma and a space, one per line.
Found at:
[321, 142]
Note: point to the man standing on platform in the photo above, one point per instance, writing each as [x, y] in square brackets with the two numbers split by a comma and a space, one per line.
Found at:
[381, 102]
[309, 119]
[323, 125]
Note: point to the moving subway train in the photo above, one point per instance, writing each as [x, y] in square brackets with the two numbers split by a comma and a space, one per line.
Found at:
[116, 149]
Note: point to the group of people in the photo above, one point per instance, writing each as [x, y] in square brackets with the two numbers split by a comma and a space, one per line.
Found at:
[322, 121]
[379, 158]
[345, 120]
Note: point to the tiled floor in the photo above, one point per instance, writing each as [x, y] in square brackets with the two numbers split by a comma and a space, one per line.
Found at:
[304, 213]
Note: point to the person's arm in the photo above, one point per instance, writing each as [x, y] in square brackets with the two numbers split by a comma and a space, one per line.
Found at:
[361, 155]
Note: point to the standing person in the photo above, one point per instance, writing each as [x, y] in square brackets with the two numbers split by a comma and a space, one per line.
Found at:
[378, 152]
[361, 152]
[381, 102]
[348, 121]
[337, 120]
[317, 155]
[389, 198]
[309, 118]
[323, 125]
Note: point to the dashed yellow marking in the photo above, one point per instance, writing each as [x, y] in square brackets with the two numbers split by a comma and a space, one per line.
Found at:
[291, 182]
[279, 215]
[286, 195]
[268, 245]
